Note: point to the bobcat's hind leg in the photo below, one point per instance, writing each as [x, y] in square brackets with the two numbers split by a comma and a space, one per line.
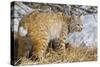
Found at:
[39, 49]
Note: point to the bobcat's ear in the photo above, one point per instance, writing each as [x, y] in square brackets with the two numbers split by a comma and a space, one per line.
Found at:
[80, 15]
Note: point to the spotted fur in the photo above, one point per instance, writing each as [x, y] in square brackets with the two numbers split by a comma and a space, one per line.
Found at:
[42, 27]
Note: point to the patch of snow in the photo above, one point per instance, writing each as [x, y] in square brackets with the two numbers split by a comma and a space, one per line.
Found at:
[89, 33]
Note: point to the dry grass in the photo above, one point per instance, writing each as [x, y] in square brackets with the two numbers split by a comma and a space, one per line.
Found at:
[73, 54]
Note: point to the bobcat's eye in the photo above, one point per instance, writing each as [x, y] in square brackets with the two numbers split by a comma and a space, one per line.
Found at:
[78, 24]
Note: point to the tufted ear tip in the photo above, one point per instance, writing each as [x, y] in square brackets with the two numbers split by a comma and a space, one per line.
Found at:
[81, 15]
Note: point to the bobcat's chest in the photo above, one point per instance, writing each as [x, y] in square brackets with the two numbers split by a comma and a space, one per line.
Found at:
[55, 30]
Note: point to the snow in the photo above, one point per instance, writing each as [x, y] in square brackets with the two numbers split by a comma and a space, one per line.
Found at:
[89, 33]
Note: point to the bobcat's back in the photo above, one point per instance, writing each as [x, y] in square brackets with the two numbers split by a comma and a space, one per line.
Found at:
[47, 25]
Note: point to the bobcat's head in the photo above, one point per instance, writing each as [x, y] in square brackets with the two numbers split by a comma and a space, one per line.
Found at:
[75, 24]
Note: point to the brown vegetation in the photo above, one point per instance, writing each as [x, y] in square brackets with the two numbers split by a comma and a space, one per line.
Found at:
[73, 54]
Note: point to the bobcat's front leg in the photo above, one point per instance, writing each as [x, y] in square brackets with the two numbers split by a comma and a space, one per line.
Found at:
[62, 38]
[61, 46]
[60, 43]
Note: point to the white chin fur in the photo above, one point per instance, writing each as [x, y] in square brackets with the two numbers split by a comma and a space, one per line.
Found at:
[22, 31]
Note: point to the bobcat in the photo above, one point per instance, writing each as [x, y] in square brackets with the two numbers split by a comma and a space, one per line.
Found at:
[41, 27]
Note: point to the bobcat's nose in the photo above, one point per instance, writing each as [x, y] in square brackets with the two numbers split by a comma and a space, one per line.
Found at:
[81, 28]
